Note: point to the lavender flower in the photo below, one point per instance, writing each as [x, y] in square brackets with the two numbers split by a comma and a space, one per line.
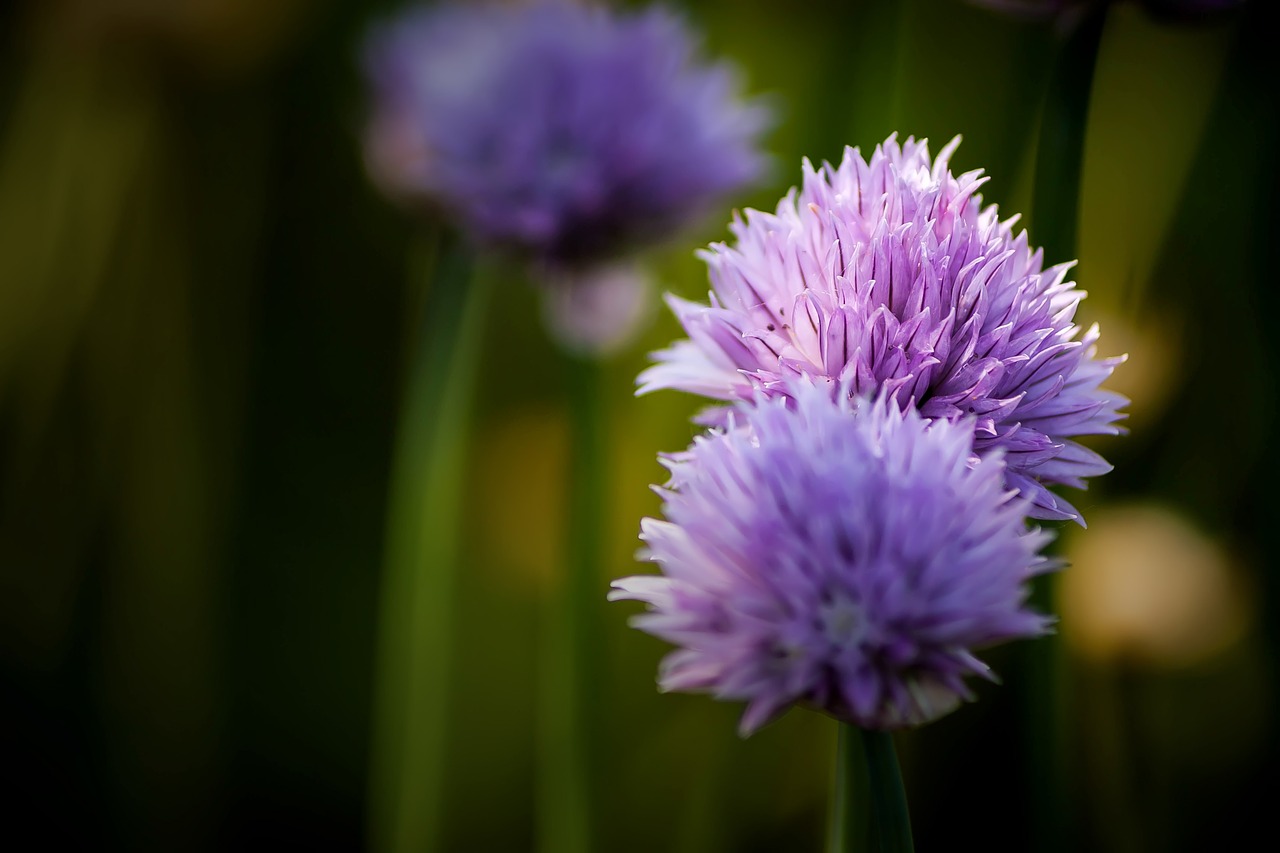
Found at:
[554, 129]
[844, 555]
[889, 276]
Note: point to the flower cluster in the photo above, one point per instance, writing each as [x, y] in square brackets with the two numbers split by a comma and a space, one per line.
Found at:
[903, 381]
[556, 130]
[888, 276]
[844, 555]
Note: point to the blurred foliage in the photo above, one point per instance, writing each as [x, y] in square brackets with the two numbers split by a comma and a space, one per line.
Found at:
[204, 310]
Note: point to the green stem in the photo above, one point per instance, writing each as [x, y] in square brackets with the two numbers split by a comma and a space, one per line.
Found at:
[569, 709]
[1055, 215]
[421, 564]
[888, 795]
[850, 812]
[1060, 152]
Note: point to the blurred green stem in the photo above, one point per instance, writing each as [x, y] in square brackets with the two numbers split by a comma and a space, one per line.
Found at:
[850, 812]
[1055, 215]
[892, 822]
[421, 563]
[569, 706]
[1060, 152]
[869, 811]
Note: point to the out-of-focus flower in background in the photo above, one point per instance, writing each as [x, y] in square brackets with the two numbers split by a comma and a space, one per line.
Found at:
[839, 554]
[561, 139]
[599, 312]
[559, 131]
[888, 274]
[1147, 587]
[1154, 343]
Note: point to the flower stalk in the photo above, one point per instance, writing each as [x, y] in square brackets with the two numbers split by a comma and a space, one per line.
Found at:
[1055, 206]
[869, 813]
[850, 814]
[888, 795]
[570, 707]
[421, 563]
[1055, 217]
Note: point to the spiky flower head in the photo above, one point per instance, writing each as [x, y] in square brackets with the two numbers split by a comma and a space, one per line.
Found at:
[889, 275]
[840, 554]
[553, 129]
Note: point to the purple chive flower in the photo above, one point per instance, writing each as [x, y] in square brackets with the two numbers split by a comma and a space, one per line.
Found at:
[557, 130]
[890, 277]
[844, 555]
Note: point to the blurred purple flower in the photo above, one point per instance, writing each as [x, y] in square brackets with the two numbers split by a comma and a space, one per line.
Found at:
[843, 555]
[558, 130]
[890, 275]
[596, 312]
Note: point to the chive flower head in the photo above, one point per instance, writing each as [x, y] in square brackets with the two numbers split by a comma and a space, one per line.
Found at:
[841, 553]
[888, 276]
